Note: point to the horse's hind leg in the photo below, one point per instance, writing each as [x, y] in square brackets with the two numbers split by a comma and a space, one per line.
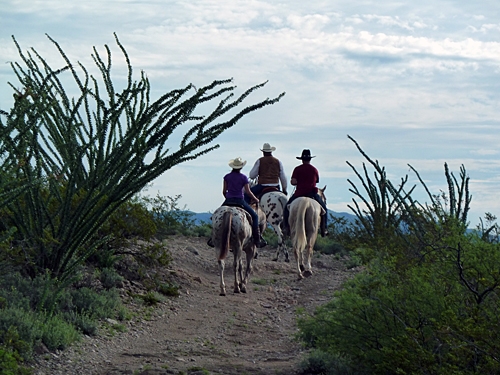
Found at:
[248, 270]
[242, 281]
[237, 271]
[221, 272]
[298, 262]
[308, 269]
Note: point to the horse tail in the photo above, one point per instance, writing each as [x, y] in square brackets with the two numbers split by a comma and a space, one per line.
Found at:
[298, 226]
[227, 221]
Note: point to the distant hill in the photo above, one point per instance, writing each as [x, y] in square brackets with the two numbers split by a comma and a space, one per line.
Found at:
[205, 217]
[201, 217]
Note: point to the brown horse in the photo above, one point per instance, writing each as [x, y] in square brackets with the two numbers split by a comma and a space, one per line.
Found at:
[304, 220]
[232, 229]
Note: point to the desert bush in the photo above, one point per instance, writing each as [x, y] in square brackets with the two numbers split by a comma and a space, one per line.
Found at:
[110, 278]
[428, 300]
[168, 217]
[11, 362]
[203, 230]
[57, 333]
[318, 362]
[98, 305]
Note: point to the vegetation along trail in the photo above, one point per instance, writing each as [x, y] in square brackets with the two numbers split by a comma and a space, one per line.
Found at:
[199, 330]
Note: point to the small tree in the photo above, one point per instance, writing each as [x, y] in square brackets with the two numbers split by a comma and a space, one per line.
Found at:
[91, 153]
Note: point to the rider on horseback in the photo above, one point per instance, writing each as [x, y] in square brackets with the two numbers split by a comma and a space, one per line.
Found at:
[269, 171]
[235, 183]
[304, 178]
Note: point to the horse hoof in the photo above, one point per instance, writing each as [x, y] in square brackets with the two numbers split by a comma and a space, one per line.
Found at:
[275, 259]
[236, 291]
[222, 294]
[308, 273]
[287, 260]
[302, 268]
[243, 290]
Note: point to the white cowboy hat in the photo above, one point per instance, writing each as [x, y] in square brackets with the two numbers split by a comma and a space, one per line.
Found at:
[237, 163]
[267, 148]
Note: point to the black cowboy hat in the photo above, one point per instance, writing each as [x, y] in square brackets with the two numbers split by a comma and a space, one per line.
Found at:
[306, 155]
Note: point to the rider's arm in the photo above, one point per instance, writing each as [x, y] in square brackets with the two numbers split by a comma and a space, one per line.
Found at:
[250, 194]
[254, 172]
[293, 181]
[283, 178]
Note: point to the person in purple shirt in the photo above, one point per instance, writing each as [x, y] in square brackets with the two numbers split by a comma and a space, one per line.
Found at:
[234, 186]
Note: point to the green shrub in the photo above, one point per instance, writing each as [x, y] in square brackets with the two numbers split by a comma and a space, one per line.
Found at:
[57, 333]
[97, 305]
[202, 230]
[151, 298]
[26, 326]
[31, 327]
[13, 345]
[83, 322]
[168, 217]
[169, 289]
[110, 278]
[10, 363]
[318, 362]
[326, 245]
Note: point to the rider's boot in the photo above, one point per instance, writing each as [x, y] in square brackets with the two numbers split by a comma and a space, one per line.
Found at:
[258, 240]
[285, 229]
[324, 230]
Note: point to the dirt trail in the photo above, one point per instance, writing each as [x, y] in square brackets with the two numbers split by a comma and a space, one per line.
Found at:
[250, 333]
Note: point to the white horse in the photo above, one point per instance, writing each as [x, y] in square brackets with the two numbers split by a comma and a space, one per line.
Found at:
[273, 205]
[304, 220]
[232, 229]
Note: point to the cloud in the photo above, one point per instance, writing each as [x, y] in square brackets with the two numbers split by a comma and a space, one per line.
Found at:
[414, 83]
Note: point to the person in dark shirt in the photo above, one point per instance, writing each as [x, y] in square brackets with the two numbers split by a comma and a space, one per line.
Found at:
[304, 178]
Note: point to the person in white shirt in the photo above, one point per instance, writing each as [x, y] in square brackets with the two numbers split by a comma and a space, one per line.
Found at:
[269, 172]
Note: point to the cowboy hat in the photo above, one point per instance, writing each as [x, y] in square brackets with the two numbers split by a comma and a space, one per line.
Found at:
[267, 148]
[306, 155]
[237, 163]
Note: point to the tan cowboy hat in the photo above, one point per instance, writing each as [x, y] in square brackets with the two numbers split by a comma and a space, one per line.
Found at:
[237, 163]
[306, 155]
[267, 148]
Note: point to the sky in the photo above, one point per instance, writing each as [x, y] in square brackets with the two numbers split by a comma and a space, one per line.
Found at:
[414, 83]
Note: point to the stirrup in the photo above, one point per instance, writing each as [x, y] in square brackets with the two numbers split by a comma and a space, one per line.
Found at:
[260, 243]
[210, 243]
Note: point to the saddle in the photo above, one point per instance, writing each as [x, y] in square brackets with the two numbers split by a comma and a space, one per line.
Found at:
[234, 205]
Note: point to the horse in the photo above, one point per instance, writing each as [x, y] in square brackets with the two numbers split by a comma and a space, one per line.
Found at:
[232, 229]
[273, 204]
[304, 221]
